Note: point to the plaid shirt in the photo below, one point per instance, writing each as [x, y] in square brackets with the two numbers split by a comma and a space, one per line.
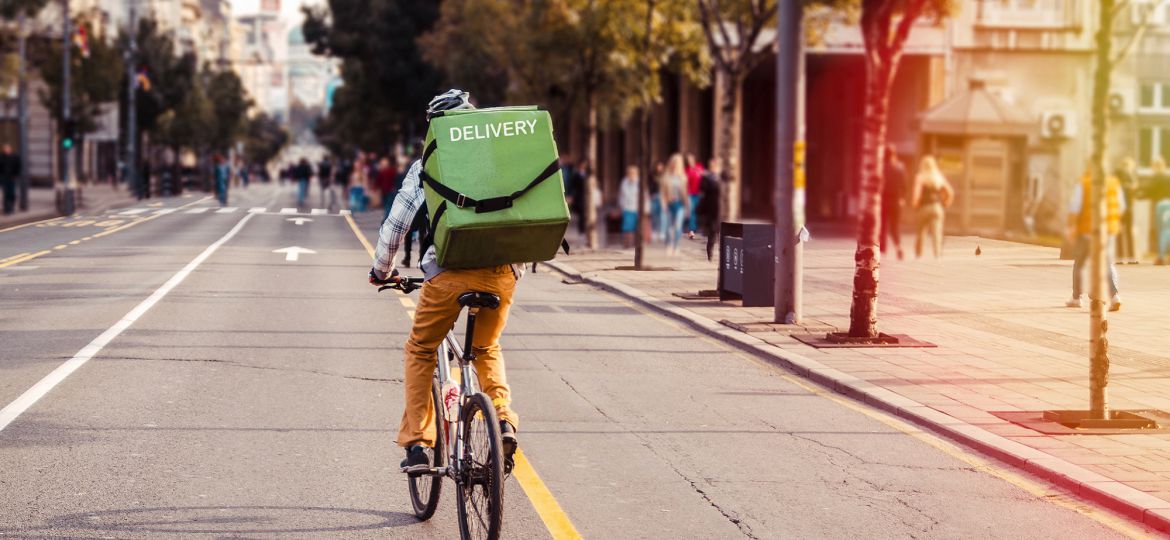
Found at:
[410, 198]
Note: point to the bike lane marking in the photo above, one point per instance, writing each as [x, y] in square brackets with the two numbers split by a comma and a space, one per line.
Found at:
[26, 400]
[43, 221]
[554, 517]
[106, 232]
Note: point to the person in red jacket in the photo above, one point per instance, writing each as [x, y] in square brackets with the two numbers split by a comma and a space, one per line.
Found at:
[387, 186]
[694, 191]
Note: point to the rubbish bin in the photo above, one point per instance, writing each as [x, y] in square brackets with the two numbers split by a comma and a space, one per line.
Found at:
[1163, 213]
[746, 263]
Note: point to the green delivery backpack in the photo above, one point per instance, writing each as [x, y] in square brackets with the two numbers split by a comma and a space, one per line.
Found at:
[493, 186]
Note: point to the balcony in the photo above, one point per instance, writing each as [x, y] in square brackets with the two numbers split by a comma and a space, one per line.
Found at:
[1029, 14]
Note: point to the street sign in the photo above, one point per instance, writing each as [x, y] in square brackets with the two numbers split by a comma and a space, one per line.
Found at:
[292, 253]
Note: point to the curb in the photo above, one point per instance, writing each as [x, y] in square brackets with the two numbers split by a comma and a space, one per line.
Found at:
[1110, 494]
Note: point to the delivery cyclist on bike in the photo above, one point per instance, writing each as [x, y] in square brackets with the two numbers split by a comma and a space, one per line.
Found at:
[437, 310]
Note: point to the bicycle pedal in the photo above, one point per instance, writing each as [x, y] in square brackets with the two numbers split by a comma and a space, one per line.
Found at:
[421, 470]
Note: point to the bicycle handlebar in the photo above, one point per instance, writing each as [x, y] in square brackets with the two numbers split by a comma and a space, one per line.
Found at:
[406, 285]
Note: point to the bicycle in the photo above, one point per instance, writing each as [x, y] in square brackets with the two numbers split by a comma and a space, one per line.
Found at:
[468, 448]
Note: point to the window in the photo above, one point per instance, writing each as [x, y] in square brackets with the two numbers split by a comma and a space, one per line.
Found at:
[1155, 98]
[1153, 141]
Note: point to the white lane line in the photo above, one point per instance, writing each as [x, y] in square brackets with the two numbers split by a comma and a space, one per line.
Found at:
[226, 210]
[199, 210]
[38, 391]
[133, 211]
[257, 210]
[288, 210]
[318, 212]
[162, 211]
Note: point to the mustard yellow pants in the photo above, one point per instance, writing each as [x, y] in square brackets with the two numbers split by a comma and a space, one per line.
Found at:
[438, 309]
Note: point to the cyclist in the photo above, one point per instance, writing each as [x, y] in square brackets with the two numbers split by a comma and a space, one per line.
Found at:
[437, 310]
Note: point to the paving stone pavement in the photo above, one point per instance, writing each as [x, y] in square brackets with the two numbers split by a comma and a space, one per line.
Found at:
[1005, 340]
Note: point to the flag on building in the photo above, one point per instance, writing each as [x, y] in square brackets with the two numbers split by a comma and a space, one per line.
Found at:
[81, 39]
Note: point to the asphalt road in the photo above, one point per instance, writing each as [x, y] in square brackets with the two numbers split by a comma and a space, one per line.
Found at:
[259, 398]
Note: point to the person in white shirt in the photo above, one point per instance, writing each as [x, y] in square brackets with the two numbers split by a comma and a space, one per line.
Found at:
[628, 200]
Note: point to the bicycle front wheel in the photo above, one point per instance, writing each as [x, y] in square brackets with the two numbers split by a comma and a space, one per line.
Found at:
[481, 482]
[425, 490]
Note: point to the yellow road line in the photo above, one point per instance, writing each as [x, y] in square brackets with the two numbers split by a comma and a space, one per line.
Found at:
[31, 224]
[23, 259]
[361, 237]
[555, 519]
[17, 256]
[60, 246]
[103, 233]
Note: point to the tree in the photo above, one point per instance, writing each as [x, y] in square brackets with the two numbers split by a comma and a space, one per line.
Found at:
[1106, 61]
[170, 77]
[229, 108]
[376, 42]
[264, 137]
[885, 26]
[94, 81]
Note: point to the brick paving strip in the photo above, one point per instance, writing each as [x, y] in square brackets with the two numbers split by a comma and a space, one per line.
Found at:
[1005, 344]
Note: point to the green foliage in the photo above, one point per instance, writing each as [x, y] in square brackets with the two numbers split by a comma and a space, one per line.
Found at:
[264, 137]
[229, 108]
[567, 53]
[93, 81]
[9, 9]
[387, 84]
[171, 76]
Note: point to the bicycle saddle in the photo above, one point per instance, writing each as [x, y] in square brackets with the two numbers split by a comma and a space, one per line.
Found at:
[479, 300]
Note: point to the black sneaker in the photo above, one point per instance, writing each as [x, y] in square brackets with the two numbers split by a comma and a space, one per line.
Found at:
[416, 458]
[508, 438]
[406, 262]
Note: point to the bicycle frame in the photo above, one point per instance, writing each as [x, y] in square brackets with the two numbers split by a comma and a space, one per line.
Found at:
[468, 385]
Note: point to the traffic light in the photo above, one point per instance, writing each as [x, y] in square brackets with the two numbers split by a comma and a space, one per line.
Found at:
[68, 134]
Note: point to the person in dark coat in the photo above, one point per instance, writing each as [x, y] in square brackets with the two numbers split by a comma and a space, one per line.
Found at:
[711, 192]
[893, 199]
[9, 173]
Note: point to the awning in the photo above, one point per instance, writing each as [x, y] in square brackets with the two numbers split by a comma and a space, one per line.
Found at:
[977, 111]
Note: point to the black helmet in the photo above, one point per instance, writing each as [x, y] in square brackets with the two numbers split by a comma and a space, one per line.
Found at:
[451, 100]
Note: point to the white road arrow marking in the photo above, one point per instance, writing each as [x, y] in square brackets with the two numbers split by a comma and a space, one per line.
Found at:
[293, 253]
[299, 220]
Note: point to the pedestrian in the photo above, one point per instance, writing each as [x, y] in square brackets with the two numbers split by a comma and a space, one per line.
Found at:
[302, 172]
[244, 173]
[1127, 177]
[387, 186]
[222, 173]
[694, 172]
[580, 184]
[893, 199]
[1080, 233]
[1033, 197]
[932, 195]
[711, 187]
[1157, 190]
[628, 201]
[325, 180]
[657, 216]
[357, 185]
[9, 172]
[675, 201]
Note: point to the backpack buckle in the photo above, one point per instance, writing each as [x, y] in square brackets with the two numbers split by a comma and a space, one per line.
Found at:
[461, 202]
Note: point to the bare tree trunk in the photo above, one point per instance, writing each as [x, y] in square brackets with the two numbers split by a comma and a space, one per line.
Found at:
[867, 258]
[729, 121]
[1098, 324]
[591, 178]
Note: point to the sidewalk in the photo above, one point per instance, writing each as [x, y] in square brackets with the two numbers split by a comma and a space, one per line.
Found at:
[42, 203]
[1005, 343]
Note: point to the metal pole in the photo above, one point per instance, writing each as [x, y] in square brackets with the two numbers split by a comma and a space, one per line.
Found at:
[67, 153]
[787, 90]
[132, 105]
[22, 110]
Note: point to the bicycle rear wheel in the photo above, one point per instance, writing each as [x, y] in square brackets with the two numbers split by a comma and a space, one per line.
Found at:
[425, 490]
[481, 483]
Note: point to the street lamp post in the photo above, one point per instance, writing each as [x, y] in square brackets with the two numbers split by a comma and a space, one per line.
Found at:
[68, 204]
[22, 107]
[789, 164]
[131, 104]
